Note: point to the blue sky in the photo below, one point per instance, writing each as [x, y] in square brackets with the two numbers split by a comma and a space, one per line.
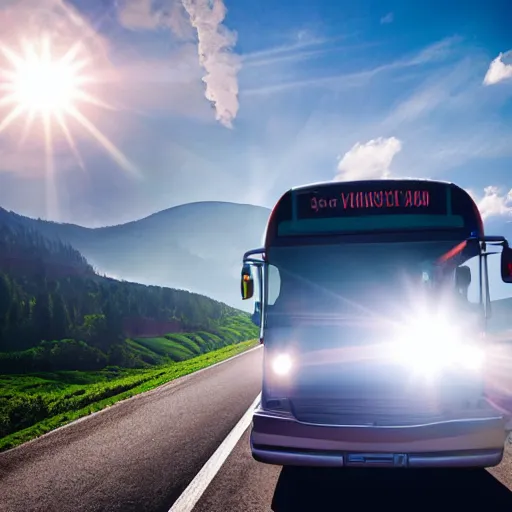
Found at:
[296, 91]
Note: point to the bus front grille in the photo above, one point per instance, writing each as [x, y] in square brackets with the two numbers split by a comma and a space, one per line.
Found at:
[366, 411]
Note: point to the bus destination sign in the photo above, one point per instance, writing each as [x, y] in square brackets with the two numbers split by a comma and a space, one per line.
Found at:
[380, 199]
[354, 202]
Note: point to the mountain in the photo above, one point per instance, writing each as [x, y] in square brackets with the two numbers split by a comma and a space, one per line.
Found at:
[57, 313]
[25, 251]
[196, 247]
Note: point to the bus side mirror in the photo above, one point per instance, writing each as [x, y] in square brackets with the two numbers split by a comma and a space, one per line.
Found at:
[506, 264]
[247, 283]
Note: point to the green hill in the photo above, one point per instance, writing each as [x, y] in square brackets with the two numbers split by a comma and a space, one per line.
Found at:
[56, 313]
[73, 342]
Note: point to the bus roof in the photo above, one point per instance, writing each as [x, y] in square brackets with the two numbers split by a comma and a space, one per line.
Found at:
[329, 184]
[340, 208]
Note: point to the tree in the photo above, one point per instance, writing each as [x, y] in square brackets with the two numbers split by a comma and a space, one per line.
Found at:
[5, 305]
[42, 316]
[94, 328]
[60, 319]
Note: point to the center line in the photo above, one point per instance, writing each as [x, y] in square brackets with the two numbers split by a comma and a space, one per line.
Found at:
[191, 495]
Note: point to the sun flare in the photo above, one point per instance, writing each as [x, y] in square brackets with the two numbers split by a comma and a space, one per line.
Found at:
[40, 84]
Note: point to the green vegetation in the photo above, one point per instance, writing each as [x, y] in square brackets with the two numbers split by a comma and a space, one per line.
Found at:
[141, 352]
[73, 342]
[31, 405]
[56, 314]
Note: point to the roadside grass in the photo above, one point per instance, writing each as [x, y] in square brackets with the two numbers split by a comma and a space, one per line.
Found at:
[34, 404]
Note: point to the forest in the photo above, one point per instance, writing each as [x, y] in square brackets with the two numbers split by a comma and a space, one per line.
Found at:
[56, 313]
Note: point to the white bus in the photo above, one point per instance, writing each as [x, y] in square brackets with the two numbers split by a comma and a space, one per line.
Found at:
[372, 299]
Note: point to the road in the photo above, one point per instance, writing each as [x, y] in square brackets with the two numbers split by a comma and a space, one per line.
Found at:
[155, 450]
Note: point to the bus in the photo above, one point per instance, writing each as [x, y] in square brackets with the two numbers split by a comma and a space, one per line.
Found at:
[372, 299]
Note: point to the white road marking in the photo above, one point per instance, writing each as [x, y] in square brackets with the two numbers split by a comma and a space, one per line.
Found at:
[191, 495]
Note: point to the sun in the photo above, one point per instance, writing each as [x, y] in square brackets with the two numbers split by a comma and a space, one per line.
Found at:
[40, 84]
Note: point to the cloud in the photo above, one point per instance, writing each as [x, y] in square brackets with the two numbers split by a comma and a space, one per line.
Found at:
[299, 52]
[299, 45]
[302, 47]
[254, 60]
[215, 43]
[433, 53]
[215, 47]
[500, 69]
[387, 19]
[494, 202]
[449, 87]
[136, 83]
[368, 161]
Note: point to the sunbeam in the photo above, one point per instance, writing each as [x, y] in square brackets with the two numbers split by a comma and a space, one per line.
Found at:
[40, 85]
[70, 140]
[26, 128]
[117, 155]
[51, 195]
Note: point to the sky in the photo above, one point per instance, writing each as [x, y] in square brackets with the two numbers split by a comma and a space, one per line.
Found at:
[192, 100]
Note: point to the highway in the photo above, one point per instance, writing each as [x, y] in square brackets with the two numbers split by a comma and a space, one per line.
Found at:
[184, 447]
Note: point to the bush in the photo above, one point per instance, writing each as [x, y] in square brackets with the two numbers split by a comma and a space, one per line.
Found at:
[53, 356]
[22, 411]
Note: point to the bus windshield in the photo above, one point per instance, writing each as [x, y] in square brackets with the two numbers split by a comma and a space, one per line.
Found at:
[362, 282]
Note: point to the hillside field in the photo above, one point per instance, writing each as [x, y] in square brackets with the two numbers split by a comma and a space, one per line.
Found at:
[33, 404]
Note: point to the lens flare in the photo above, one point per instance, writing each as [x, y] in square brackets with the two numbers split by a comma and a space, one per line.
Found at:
[282, 364]
[429, 345]
[40, 85]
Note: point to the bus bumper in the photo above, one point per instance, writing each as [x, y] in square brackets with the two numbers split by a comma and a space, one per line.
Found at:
[276, 439]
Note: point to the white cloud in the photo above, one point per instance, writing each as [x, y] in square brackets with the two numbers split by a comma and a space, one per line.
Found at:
[435, 52]
[278, 57]
[494, 202]
[370, 160]
[387, 19]
[442, 89]
[299, 44]
[216, 57]
[215, 43]
[500, 69]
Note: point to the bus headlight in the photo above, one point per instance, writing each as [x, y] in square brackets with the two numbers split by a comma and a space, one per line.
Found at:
[430, 345]
[282, 364]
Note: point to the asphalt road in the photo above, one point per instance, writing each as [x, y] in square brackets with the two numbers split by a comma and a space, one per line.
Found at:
[140, 454]
[143, 454]
[245, 485]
